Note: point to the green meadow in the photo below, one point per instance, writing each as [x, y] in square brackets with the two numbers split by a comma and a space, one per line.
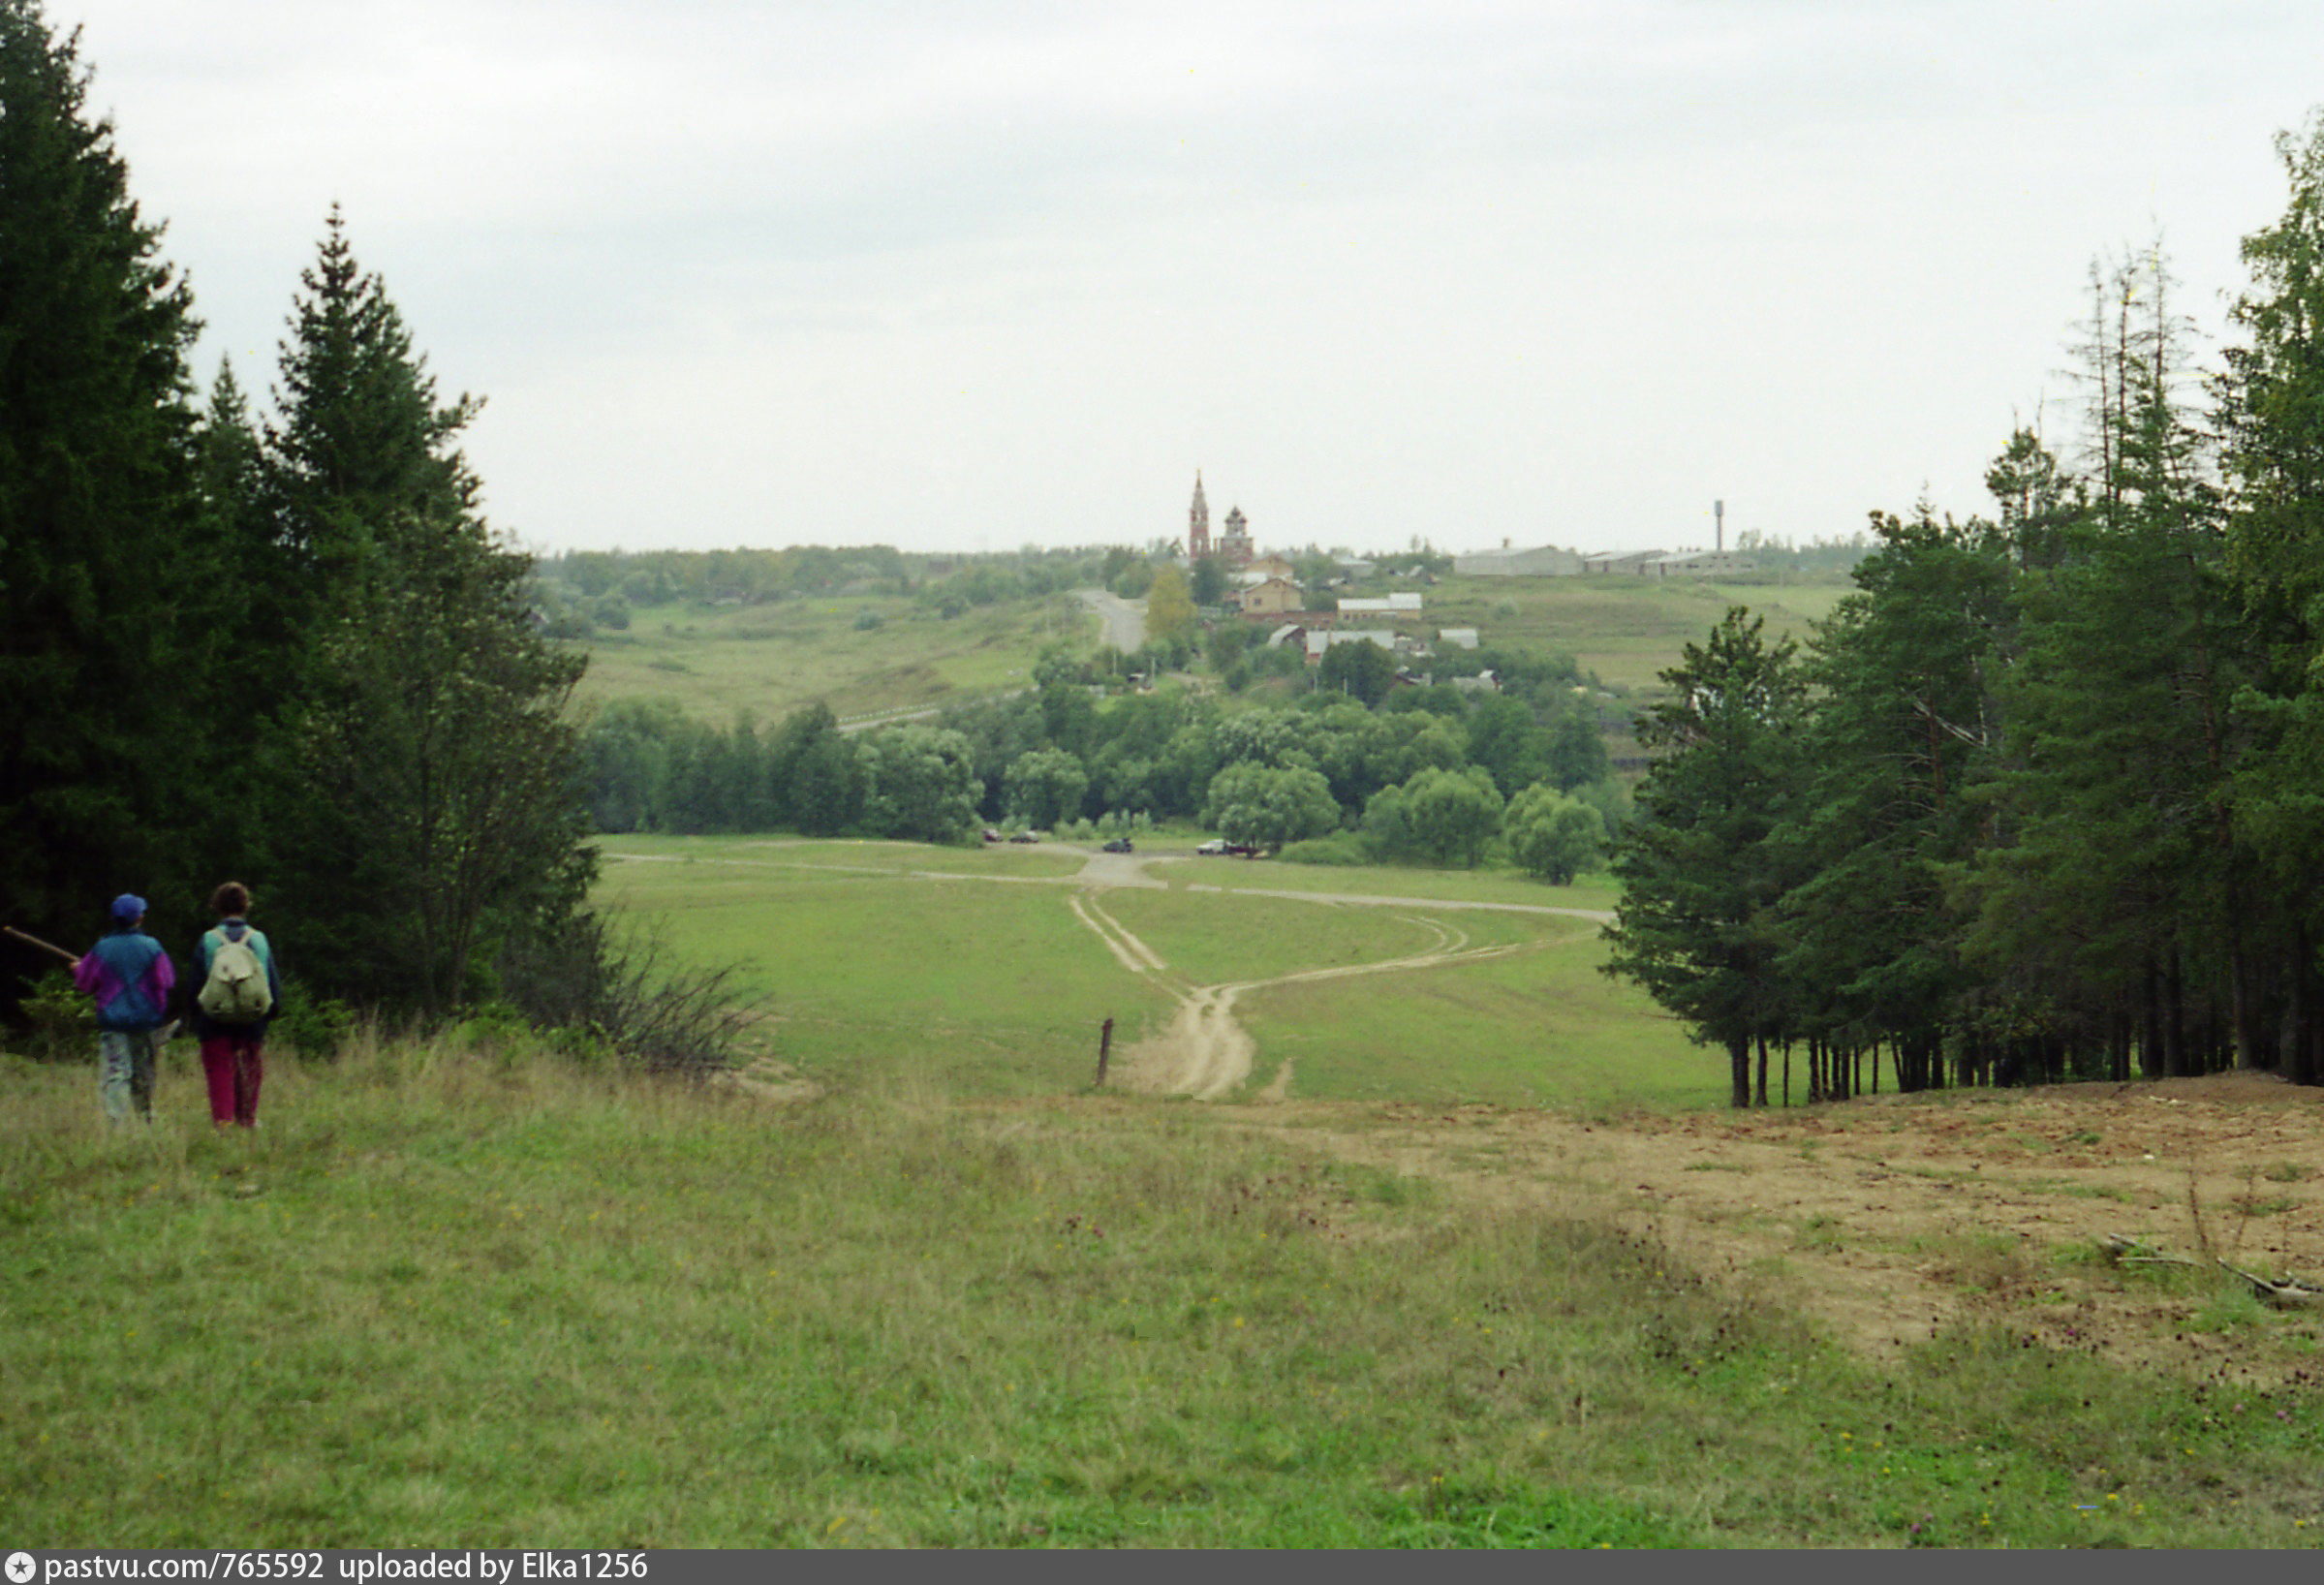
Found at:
[772, 659]
[460, 1293]
[871, 973]
[468, 1292]
[1625, 628]
[1596, 892]
[1541, 1027]
[969, 965]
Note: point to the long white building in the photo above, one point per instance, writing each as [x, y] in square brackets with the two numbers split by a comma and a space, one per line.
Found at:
[1542, 561]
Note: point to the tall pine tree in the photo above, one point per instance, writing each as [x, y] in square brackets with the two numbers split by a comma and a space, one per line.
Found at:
[96, 510]
[1700, 879]
[427, 777]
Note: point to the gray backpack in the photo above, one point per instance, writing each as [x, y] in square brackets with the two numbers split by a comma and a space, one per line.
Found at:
[235, 992]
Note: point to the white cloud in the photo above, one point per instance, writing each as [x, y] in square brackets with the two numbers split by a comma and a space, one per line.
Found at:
[738, 272]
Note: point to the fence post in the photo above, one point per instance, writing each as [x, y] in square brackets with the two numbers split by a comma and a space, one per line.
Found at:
[1105, 1043]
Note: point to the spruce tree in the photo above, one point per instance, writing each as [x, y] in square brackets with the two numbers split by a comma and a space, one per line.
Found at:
[2272, 415]
[1696, 925]
[96, 509]
[428, 778]
[1904, 707]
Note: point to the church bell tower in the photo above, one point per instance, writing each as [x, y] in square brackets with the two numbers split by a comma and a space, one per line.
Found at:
[1197, 526]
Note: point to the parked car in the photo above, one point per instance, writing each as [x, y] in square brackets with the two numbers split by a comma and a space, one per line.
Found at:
[1212, 848]
[991, 835]
[1241, 850]
[1120, 843]
[1025, 836]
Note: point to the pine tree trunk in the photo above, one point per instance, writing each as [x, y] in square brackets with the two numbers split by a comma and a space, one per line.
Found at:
[1739, 1065]
[2174, 1025]
[2304, 1008]
[2239, 980]
[2150, 1039]
[1763, 1070]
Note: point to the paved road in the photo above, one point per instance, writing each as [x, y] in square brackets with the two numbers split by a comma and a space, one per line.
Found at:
[1125, 619]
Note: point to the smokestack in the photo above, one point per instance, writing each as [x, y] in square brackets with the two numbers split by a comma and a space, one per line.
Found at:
[1719, 521]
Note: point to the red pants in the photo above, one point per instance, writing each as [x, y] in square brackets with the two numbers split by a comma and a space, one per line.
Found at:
[234, 1064]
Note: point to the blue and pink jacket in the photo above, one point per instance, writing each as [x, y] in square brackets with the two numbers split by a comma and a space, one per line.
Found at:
[130, 975]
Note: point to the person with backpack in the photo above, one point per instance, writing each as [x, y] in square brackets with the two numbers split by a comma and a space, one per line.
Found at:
[241, 990]
[130, 975]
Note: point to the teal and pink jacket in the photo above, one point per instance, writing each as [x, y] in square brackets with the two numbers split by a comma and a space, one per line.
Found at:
[130, 975]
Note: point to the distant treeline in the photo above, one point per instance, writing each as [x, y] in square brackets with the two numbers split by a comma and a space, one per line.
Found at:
[1817, 558]
[2045, 796]
[579, 592]
[1055, 755]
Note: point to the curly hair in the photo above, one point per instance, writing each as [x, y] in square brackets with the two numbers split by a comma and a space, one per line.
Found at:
[230, 900]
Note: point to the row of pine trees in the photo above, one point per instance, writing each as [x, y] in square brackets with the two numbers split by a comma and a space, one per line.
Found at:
[2044, 798]
[285, 649]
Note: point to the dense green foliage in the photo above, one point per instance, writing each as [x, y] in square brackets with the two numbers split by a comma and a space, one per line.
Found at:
[1554, 836]
[101, 541]
[290, 651]
[2042, 796]
[1058, 754]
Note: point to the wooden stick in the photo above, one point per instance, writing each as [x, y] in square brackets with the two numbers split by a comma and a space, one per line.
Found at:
[34, 940]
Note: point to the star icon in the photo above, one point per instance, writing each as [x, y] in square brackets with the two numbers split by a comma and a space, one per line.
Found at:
[21, 1568]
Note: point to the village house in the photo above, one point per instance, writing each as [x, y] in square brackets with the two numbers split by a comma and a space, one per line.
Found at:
[1272, 598]
[1320, 639]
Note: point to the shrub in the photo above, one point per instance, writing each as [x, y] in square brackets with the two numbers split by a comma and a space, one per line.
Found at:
[63, 1020]
[593, 991]
[313, 1026]
[1339, 848]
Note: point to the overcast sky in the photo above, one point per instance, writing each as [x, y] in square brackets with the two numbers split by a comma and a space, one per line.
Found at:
[969, 276]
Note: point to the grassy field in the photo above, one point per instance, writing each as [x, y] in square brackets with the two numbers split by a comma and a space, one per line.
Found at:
[1625, 629]
[770, 660]
[476, 1297]
[1539, 1028]
[1597, 892]
[876, 972]
[850, 855]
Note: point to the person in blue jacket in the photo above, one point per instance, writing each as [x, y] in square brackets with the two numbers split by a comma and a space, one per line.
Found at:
[130, 975]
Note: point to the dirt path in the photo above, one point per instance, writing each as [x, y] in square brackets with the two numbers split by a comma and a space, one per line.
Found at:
[1360, 899]
[1203, 1051]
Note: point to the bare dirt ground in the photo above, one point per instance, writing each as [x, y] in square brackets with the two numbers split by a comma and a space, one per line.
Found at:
[1895, 1217]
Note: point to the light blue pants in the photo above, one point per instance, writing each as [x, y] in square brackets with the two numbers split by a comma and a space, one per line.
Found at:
[125, 1074]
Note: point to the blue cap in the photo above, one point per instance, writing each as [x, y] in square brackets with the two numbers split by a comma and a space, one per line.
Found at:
[128, 906]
